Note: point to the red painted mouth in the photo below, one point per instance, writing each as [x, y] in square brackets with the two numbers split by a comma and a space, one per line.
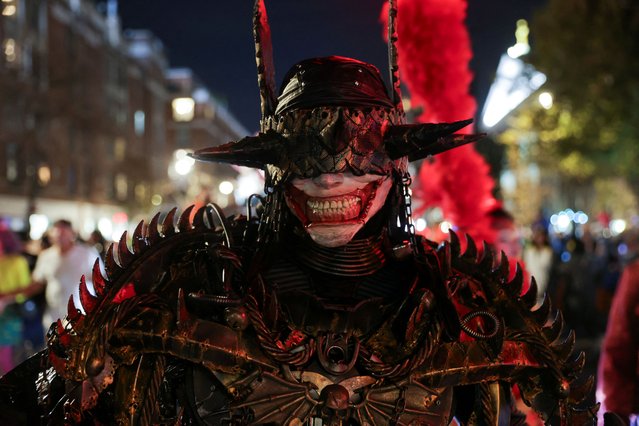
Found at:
[342, 209]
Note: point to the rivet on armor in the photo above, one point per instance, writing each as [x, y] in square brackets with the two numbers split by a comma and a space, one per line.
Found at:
[236, 318]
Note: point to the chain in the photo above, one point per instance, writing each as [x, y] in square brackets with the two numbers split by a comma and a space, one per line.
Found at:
[410, 227]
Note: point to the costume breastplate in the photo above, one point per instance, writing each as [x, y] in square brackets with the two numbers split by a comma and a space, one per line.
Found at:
[185, 318]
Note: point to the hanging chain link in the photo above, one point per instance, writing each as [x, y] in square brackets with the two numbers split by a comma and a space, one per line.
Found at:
[410, 227]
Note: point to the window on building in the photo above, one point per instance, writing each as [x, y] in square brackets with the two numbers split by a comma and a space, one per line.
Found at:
[12, 162]
[183, 137]
[72, 180]
[10, 50]
[121, 186]
[141, 192]
[44, 174]
[138, 122]
[9, 8]
[119, 149]
[183, 109]
[108, 183]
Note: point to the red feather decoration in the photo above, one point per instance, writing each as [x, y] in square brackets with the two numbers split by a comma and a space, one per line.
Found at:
[434, 54]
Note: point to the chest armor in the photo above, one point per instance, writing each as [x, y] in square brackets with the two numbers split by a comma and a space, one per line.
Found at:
[328, 372]
[186, 330]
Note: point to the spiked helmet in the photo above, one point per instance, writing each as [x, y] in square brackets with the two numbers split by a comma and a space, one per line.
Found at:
[333, 114]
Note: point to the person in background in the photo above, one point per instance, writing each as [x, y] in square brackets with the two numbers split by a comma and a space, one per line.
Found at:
[538, 257]
[59, 268]
[97, 240]
[508, 241]
[618, 378]
[14, 277]
[507, 236]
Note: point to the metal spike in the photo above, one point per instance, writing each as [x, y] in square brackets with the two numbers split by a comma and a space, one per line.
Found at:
[396, 93]
[573, 368]
[471, 249]
[579, 392]
[110, 265]
[553, 331]
[99, 284]
[168, 225]
[59, 326]
[564, 349]
[503, 269]
[264, 61]
[73, 313]
[138, 240]
[199, 218]
[89, 301]
[487, 259]
[514, 285]
[184, 222]
[541, 313]
[455, 246]
[581, 416]
[124, 254]
[530, 297]
[152, 232]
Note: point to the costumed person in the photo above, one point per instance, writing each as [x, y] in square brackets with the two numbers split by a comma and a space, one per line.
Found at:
[14, 277]
[326, 308]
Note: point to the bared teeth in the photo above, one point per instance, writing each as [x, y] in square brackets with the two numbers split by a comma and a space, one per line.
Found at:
[342, 209]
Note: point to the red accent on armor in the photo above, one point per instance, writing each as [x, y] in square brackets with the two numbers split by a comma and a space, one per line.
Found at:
[126, 292]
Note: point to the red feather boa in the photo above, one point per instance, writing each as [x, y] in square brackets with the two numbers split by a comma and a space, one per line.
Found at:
[434, 54]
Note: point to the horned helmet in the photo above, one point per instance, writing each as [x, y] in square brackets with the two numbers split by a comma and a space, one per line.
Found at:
[334, 116]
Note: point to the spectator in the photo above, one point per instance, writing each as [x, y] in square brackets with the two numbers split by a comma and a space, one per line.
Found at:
[538, 257]
[59, 268]
[507, 236]
[14, 277]
[618, 380]
[97, 240]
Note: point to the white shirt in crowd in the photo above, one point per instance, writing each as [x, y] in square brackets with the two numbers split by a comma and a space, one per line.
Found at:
[62, 273]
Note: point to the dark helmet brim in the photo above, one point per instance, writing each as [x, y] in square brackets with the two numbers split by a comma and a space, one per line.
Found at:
[415, 141]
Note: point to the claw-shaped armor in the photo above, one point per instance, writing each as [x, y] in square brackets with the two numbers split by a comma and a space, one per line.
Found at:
[324, 309]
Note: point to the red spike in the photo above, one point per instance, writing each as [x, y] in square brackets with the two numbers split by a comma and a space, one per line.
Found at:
[89, 302]
[139, 242]
[152, 232]
[60, 364]
[198, 218]
[124, 254]
[110, 265]
[73, 313]
[168, 227]
[184, 223]
[98, 280]
[63, 336]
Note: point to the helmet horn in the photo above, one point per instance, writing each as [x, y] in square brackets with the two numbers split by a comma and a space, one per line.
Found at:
[264, 60]
[396, 93]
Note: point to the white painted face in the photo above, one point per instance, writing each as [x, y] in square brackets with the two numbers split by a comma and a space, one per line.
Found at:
[334, 206]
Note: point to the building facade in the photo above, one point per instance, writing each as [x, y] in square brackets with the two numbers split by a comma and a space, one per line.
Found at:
[86, 124]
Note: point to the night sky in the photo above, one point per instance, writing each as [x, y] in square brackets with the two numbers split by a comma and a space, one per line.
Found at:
[214, 38]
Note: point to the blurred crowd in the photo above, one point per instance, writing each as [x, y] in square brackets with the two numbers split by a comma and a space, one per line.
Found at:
[36, 280]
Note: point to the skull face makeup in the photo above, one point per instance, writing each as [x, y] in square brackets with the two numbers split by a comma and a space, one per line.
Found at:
[333, 207]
